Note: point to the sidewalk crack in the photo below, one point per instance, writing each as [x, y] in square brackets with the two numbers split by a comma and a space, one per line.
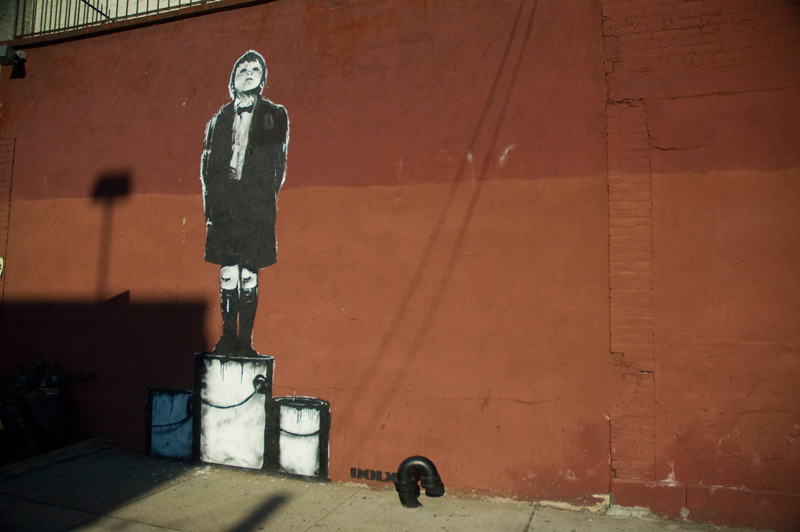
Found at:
[321, 519]
[530, 521]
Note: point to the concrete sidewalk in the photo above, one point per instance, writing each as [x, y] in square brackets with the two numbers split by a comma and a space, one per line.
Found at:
[94, 487]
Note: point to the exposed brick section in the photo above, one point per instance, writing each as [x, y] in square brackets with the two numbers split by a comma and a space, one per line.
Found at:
[6, 167]
[633, 428]
[660, 50]
[644, 35]
[630, 221]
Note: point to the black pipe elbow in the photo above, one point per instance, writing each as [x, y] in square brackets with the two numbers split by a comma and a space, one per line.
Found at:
[417, 469]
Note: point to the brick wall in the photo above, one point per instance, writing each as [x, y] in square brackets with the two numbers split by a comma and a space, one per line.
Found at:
[717, 78]
[631, 290]
[645, 35]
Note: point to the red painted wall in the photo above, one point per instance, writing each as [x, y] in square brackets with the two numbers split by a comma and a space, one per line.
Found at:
[702, 116]
[541, 243]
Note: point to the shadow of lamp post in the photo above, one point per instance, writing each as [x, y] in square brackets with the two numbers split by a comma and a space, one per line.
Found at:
[109, 189]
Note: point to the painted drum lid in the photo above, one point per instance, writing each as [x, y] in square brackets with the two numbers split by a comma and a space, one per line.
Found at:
[301, 402]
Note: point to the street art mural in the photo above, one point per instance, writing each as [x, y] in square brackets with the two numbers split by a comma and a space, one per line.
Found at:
[299, 446]
[234, 395]
[236, 420]
[243, 167]
[170, 416]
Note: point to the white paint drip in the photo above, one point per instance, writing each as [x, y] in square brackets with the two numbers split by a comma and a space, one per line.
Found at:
[671, 477]
[504, 156]
[400, 168]
[569, 475]
[471, 169]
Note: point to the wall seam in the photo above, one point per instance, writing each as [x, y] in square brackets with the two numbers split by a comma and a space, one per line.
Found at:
[6, 174]
[631, 295]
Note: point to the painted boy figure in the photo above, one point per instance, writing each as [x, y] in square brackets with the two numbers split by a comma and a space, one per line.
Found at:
[242, 169]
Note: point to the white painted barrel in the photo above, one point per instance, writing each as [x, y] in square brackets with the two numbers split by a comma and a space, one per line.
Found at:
[232, 407]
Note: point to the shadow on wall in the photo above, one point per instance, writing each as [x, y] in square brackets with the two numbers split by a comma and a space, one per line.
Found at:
[127, 347]
[109, 189]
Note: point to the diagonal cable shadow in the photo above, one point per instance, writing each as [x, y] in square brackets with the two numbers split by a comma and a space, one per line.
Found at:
[434, 240]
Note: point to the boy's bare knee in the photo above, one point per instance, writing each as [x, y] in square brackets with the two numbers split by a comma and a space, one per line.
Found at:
[249, 279]
[229, 277]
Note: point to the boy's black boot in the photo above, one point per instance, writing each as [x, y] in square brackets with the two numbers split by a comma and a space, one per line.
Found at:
[248, 301]
[229, 305]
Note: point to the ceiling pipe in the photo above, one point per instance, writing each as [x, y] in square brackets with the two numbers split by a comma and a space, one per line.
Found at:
[417, 469]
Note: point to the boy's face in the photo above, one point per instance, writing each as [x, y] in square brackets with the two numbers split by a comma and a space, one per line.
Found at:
[248, 76]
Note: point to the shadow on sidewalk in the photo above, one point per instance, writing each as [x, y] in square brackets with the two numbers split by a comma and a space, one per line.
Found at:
[81, 487]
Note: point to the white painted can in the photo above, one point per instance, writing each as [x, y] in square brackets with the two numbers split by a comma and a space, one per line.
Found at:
[232, 413]
[303, 439]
